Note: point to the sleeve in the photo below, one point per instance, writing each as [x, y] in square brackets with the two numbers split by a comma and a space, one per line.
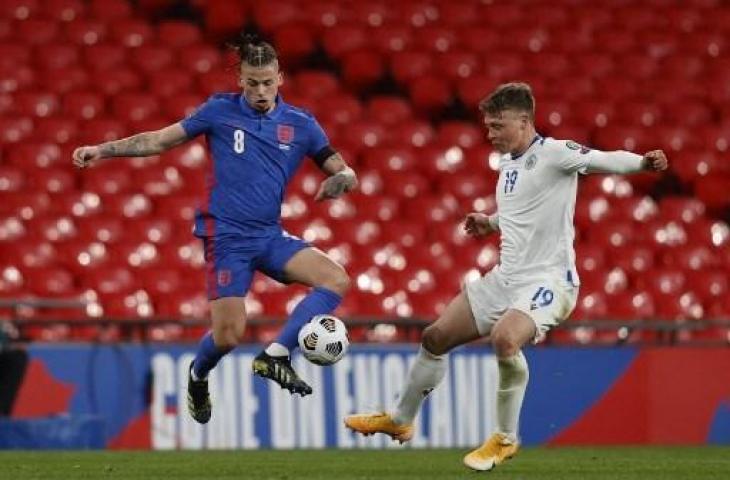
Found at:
[199, 121]
[317, 139]
[574, 157]
[581, 159]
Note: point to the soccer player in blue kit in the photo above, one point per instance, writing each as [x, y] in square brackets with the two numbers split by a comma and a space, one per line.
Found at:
[257, 142]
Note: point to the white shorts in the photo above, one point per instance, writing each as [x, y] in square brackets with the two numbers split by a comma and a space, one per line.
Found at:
[547, 301]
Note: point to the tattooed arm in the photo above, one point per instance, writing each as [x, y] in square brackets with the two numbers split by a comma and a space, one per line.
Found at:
[140, 145]
[341, 178]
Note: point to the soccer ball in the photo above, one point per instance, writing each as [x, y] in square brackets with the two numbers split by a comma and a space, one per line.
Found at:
[323, 340]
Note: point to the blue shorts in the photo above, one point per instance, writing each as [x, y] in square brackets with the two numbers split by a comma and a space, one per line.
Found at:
[232, 259]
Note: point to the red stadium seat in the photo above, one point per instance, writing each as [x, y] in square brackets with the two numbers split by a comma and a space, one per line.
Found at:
[15, 129]
[612, 234]
[83, 105]
[102, 129]
[132, 33]
[109, 281]
[54, 57]
[65, 10]
[591, 305]
[590, 257]
[113, 10]
[12, 228]
[465, 185]
[132, 107]
[199, 58]
[436, 39]
[26, 205]
[294, 43]
[341, 39]
[152, 58]
[50, 282]
[413, 133]
[680, 306]
[408, 66]
[607, 281]
[633, 259]
[55, 228]
[392, 38]
[130, 205]
[102, 229]
[154, 230]
[178, 207]
[171, 82]
[178, 34]
[710, 285]
[432, 208]
[430, 93]
[136, 253]
[691, 257]
[37, 31]
[83, 31]
[362, 68]
[631, 306]
[160, 281]
[390, 159]
[52, 180]
[710, 233]
[223, 18]
[107, 179]
[104, 56]
[112, 82]
[389, 110]
[406, 184]
[342, 109]
[462, 134]
[77, 203]
[12, 179]
[83, 256]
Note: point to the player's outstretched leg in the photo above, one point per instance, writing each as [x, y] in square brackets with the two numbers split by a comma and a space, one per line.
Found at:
[199, 404]
[369, 423]
[426, 373]
[274, 362]
[279, 370]
[498, 449]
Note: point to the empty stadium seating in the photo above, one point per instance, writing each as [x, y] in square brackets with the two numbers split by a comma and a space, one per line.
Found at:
[74, 72]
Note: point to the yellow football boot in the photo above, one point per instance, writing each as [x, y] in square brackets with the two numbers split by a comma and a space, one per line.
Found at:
[492, 453]
[369, 423]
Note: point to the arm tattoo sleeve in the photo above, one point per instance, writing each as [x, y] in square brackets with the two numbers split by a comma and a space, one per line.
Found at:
[140, 145]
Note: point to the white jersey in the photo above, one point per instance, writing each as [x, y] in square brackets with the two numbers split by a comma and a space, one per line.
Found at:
[536, 195]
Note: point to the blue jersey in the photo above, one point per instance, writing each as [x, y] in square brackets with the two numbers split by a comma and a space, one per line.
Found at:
[254, 157]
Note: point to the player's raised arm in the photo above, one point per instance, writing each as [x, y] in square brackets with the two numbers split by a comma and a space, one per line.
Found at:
[341, 178]
[623, 162]
[140, 145]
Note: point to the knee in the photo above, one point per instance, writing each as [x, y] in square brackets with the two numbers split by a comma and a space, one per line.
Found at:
[505, 343]
[434, 340]
[337, 281]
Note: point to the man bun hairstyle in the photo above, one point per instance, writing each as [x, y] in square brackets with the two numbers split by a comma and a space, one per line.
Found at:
[254, 51]
[514, 95]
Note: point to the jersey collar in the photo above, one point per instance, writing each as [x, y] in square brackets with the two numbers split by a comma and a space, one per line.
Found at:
[251, 112]
[537, 138]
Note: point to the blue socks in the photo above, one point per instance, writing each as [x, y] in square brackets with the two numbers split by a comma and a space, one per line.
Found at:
[207, 356]
[319, 301]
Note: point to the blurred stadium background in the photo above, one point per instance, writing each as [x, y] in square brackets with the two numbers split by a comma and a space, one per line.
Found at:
[102, 279]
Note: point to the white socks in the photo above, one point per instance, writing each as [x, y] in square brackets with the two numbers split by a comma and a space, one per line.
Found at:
[427, 372]
[277, 350]
[513, 377]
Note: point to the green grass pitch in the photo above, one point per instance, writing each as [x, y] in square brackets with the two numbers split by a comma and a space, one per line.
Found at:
[644, 463]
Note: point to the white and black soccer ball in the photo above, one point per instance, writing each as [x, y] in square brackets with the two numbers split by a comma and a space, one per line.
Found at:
[323, 340]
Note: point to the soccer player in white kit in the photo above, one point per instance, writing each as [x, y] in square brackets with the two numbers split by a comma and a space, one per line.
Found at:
[535, 285]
